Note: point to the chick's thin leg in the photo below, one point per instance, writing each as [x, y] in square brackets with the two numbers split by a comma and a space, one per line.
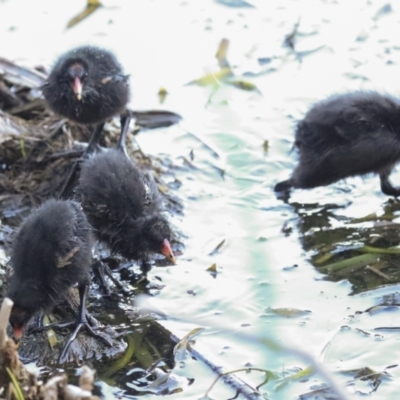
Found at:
[82, 322]
[75, 169]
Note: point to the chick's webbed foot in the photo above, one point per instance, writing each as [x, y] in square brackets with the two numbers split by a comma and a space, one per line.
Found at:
[78, 326]
[82, 322]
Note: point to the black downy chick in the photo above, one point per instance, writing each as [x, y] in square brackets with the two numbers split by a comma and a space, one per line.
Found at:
[87, 85]
[123, 205]
[52, 251]
[347, 135]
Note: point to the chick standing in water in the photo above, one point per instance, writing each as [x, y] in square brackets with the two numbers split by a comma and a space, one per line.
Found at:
[51, 252]
[347, 135]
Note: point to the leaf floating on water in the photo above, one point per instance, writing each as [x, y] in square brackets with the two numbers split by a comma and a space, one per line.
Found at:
[153, 119]
[323, 258]
[287, 312]
[377, 250]
[301, 375]
[91, 7]
[180, 350]
[162, 94]
[217, 248]
[213, 268]
[290, 39]
[377, 308]
[386, 9]
[213, 78]
[235, 3]
[369, 217]
[222, 54]
[367, 373]
[244, 85]
[356, 262]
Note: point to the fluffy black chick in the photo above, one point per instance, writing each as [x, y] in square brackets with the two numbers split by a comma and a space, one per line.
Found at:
[87, 85]
[51, 252]
[123, 205]
[347, 135]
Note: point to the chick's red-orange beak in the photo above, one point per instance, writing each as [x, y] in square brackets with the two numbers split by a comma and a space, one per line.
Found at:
[17, 333]
[77, 88]
[166, 250]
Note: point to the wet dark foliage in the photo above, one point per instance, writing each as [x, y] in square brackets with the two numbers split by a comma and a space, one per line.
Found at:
[362, 250]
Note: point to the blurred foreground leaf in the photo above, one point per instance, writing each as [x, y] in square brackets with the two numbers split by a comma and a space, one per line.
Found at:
[17, 388]
[91, 7]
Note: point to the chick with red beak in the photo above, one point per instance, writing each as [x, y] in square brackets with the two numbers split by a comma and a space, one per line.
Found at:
[77, 88]
[77, 73]
[88, 86]
[167, 251]
[51, 252]
[124, 206]
[91, 74]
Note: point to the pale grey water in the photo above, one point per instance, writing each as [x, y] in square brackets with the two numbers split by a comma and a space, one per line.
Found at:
[169, 43]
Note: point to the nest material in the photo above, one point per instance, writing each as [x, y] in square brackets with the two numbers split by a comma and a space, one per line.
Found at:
[37, 158]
